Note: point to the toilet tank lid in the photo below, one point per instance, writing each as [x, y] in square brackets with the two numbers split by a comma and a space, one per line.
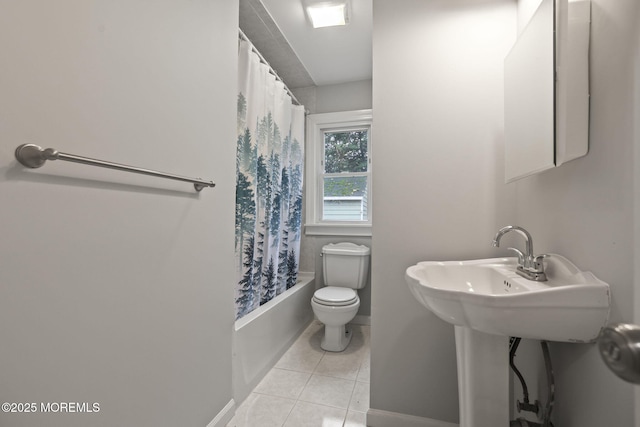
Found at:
[346, 248]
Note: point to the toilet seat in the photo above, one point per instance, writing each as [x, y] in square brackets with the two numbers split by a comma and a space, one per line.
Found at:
[335, 296]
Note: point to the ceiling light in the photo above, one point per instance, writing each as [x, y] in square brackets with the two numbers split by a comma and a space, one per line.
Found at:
[327, 13]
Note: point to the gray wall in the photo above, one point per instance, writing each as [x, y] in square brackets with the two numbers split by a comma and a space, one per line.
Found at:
[437, 99]
[332, 98]
[114, 287]
[439, 135]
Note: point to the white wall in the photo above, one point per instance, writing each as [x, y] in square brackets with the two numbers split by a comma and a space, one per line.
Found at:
[526, 9]
[438, 193]
[585, 211]
[116, 288]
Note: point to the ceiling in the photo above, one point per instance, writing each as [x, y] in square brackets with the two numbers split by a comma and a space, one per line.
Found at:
[303, 56]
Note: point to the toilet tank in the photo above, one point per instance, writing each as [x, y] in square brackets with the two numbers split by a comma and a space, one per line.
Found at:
[345, 265]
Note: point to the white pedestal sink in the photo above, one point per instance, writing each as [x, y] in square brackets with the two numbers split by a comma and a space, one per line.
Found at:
[488, 302]
[483, 378]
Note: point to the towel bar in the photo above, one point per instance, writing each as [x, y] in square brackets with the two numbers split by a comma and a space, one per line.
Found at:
[34, 156]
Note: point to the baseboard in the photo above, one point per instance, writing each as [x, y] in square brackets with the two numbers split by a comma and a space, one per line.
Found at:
[378, 418]
[224, 416]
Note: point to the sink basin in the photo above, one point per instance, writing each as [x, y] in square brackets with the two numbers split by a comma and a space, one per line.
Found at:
[488, 296]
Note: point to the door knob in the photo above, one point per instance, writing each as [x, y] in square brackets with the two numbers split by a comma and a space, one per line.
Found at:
[619, 346]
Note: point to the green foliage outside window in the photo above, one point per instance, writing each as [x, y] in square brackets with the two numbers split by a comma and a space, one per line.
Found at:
[346, 152]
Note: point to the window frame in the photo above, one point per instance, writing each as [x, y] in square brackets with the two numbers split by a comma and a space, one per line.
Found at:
[317, 125]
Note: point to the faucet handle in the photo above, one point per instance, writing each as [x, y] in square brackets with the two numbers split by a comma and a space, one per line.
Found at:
[537, 261]
[520, 255]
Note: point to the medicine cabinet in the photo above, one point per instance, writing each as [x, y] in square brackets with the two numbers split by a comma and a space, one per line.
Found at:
[547, 89]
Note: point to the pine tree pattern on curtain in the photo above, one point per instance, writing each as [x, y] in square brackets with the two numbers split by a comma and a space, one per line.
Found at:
[269, 170]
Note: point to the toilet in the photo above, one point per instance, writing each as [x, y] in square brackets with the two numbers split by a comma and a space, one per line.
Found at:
[345, 266]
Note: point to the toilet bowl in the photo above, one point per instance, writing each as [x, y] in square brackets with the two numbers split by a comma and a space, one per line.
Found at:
[335, 309]
[345, 267]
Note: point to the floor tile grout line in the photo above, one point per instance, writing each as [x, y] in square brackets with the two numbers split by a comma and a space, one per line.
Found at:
[353, 390]
[289, 413]
[324, 353]
[322, 404]
[297, 399]
[290, 370]
[304, 387]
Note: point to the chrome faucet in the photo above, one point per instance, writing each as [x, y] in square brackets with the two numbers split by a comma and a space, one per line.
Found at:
[529, 265]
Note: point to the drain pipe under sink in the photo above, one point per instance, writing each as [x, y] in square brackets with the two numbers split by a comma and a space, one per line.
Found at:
[521, 422]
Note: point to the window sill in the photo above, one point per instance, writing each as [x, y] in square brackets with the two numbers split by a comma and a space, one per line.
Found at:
[337, 229]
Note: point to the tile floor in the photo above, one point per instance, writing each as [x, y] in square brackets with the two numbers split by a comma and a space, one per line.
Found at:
[310, 387]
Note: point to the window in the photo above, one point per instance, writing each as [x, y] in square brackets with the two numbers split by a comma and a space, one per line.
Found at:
[345, 174]
[339, 173]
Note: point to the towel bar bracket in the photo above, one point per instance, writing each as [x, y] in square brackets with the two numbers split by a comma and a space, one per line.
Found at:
[31, 156]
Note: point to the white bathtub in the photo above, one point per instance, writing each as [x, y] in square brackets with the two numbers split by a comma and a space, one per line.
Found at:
[264, 335]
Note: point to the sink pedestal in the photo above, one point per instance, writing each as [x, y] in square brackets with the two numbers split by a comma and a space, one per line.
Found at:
[483, 378]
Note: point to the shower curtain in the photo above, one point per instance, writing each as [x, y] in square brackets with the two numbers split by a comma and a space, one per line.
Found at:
[269, 167]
